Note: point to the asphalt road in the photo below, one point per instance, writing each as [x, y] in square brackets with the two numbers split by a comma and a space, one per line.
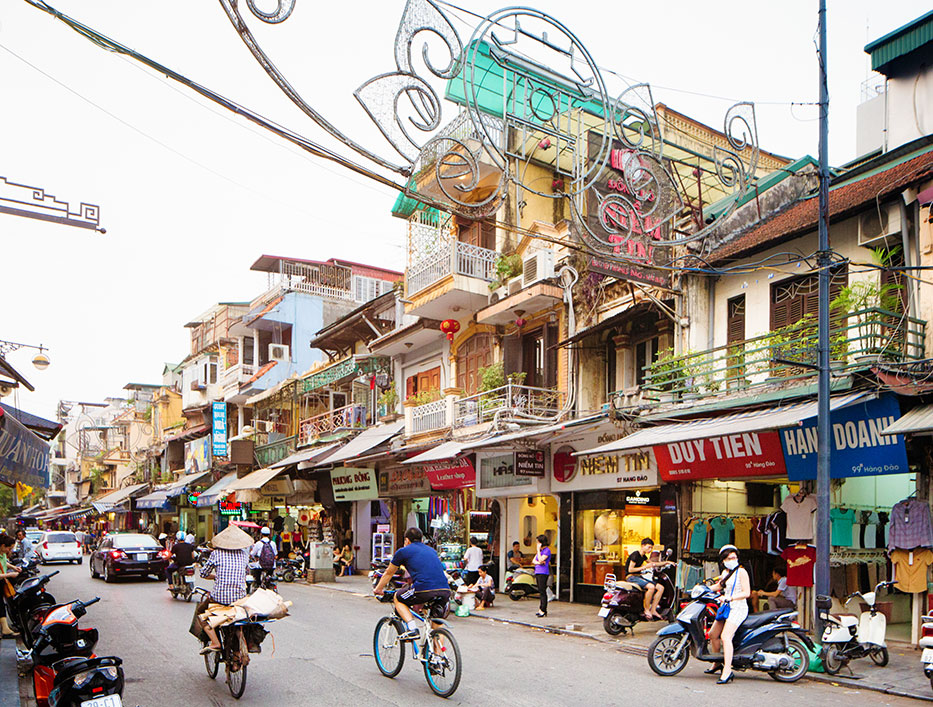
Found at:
[322, 655]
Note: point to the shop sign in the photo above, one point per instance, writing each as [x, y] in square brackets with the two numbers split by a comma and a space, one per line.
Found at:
[457, 474]
[383, 528]
[500, 472]
[727, 457]
[529, 463]
[354, 484]
[219, 416]
[403, 481]
[227, 507]
[606, 471]
[858, 447]
[198, 455]
[643, 498]
[193, 498]
[24, 457]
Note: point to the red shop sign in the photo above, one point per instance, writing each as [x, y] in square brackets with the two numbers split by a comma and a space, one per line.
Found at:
[726, 457]
[456, 474]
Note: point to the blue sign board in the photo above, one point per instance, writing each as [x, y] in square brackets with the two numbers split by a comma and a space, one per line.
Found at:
[220, 429]
[858, 447]
[24, 457]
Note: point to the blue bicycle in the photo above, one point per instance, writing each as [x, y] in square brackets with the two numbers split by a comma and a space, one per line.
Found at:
[436, 648]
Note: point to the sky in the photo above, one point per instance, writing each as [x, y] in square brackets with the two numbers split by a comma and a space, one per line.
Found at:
[190, 195]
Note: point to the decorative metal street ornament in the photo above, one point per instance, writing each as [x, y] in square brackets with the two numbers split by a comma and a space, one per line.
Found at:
[36, 203]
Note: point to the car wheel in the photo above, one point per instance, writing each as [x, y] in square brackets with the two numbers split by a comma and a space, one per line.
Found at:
[94, 573]
[107, 578]
[80, 560]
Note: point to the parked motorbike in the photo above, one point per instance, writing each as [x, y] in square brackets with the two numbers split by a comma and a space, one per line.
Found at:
[29, 605]
[770, 641]
[87, 681]
[846, 638]
[266, 581]
[520, 583]
[926, 643]
[288, 570]
[623, 603]
[182, 584]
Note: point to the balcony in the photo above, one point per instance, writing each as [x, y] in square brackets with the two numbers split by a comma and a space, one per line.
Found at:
[453, 276]
[510, 402]
[327, 280]
[858, 340]
[428, 417]
[347, 417]
[234, 377]
[272, 452]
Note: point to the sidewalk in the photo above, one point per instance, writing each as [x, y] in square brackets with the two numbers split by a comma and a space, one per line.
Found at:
[9, 680]
[903, 676]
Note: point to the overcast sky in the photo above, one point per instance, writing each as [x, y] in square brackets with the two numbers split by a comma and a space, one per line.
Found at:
[191, 195]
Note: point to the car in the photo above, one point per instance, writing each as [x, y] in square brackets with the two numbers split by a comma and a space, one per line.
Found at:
[125, 554]
[59, 546]
[34, 535]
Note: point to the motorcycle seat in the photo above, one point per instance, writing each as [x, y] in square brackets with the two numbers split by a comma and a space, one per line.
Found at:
[755, 620]
[926, 642]
[627, 586]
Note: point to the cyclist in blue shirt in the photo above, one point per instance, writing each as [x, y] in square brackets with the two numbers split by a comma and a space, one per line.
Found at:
[429, 581]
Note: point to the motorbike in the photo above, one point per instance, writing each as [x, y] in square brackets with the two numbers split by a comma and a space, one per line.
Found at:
[66, 673]
[623, 603]
[29, 605]
[182, 584]
[926, 643]
[520, 583]
[288, 570]
[770, 641]
[846, 638]
[266, 581]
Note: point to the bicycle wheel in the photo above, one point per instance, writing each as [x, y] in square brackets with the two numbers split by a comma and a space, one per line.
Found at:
[442, 666]
[212, 663]
[236, 681]
[387, 649]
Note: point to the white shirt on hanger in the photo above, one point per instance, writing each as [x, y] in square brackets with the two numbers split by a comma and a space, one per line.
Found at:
[799, 517]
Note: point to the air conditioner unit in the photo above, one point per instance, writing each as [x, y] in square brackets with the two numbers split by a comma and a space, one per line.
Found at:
[278, 352]
[500, 293]
[876, 225]
[264, 425]
[537, 266]
[515, 285]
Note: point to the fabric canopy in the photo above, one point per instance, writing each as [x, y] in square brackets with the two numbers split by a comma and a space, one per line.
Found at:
[920, 419]
[254, 480]
[306, 455]
[366, 440]
[754, 421]
[214, 493]
[115, 498]
[177, 487]
[158, 499]
[537, 432]
[447, 450]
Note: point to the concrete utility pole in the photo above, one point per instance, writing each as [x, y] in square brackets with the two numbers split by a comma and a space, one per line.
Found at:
[824, 260]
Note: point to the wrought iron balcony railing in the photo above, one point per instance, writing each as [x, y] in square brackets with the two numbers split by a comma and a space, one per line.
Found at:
[511, 401]
[347, 417]
[455, 259]
[857, 340]
[275, 451]
[430, 416]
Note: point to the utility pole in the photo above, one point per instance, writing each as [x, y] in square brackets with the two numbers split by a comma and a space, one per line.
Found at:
[824, 260]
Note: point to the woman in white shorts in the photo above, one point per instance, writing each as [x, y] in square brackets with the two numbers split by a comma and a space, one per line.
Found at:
[736, 589]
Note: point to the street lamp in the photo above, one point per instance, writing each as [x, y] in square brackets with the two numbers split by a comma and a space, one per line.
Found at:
[40, 360]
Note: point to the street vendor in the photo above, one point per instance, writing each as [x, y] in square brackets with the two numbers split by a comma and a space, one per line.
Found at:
[227, 567]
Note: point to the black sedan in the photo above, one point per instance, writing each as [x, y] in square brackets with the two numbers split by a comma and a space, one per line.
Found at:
[123, 554]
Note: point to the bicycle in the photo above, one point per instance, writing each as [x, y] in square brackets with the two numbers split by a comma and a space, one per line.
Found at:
[436, 648]
[234, 653]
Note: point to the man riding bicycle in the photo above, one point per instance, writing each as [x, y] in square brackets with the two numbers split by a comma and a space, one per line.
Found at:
[227, 567]
[429, 582]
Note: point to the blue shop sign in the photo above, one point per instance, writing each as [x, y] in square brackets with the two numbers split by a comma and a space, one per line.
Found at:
[24, 457]
[220, 429]
[858, 447]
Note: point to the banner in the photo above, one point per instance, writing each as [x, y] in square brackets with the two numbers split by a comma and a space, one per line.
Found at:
[198, 455]
[857, 447]
[353, 484]
[451, 475]
[727, 457]
[24, 456]
[220, 429]
[498, 472]
[401, 481]
[636, 470]
[529, 463]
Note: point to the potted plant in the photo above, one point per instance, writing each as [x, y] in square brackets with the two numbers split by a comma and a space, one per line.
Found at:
[387, 402]
[663, 372]
[507, 267]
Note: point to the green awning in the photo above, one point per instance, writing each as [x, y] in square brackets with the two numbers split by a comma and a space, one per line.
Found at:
[348, 368]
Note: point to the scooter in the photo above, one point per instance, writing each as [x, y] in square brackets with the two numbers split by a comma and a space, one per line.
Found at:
[288, 570]
[846, 638]
[520, 583]
[182, 583]
[623, 603]
[29, 605]
[87, 681]
[926, 643]
[771, 642]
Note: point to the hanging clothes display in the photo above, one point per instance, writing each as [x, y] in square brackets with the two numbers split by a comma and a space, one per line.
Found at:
[698, 532]
[799, 509]
[911, 525]
[742, 527]
[841, 529]
[801, 559]
[722, 531]
[911, 568]
[870, 535]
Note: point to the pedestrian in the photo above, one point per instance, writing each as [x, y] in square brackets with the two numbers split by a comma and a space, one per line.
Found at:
[485, 589]
[782, 597]
[736, 589]
[26, 549]
[263, 553]
[542, 563]
[472, 559]
[7, 572]
[514, 557]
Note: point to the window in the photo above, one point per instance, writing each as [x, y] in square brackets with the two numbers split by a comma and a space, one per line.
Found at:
[473, 354]
[248, 350]
[645, 354]
[208, 372]
[534, 354]
[424, 382]
[478, 233]
[367, 288]
[795, 297]
[735, 336]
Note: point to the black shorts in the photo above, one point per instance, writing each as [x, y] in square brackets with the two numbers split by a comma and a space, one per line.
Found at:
[439, 599]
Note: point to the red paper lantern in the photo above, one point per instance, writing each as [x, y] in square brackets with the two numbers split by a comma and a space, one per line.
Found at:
[450, 327]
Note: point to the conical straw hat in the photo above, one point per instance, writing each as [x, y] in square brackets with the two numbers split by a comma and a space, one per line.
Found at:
[231, 538]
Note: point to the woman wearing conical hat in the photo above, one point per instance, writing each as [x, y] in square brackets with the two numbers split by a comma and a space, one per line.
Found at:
[227, 567]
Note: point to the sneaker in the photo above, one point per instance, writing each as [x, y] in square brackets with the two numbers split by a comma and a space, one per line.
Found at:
[409, 635]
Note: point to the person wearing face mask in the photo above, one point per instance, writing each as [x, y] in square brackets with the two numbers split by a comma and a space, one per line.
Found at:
[736, 589]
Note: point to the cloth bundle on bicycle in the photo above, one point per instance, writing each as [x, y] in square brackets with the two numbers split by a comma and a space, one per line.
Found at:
[265, 604]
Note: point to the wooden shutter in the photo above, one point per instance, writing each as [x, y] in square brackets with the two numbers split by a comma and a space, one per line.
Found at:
[411, 386]
[550, 356]
[512, 354]
[735, 320]
[473, 355]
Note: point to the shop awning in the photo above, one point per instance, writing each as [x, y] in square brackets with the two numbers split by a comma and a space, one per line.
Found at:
[534, 433]
[366, 440]
[255, 480]
[24, 456]
[159, 499]
[188, 435]
[306, 455]
[115, 498]
[32, 509]
[447, 450]
[177, 487]
[920, 419]
[80, 513]
[752, 421]
[215, 492]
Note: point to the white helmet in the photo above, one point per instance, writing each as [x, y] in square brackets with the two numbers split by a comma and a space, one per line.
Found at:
[265, 530]
[180, 535]
[189, 538]
[162, 536]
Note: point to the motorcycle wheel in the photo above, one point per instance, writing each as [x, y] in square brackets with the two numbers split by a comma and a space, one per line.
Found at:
[288, 576]
[879, 656]
[615, 623]
[516, 594]
[661, 656]
[832, 660]
[798, 651]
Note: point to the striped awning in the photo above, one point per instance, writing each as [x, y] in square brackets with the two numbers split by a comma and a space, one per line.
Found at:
[918, 420]
[159, 499]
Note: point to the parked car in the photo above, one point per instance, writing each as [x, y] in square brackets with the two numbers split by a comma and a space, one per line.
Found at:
[59, 546]
[34, 535]
[122, 554]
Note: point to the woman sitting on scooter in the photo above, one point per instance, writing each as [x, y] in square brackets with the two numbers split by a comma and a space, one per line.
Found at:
[640, 572]
[736, 589]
